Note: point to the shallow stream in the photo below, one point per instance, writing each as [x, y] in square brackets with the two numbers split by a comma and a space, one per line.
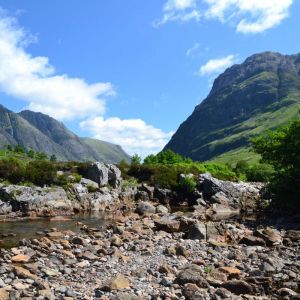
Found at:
[12, 232]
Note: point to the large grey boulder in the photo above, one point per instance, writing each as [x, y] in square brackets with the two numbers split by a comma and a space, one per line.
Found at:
[5, 208]
[238, 195]
[98, 172]
[41, 201]
[114, 176]
[104, 174]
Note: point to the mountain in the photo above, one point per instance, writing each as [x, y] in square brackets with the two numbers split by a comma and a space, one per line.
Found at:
[261, 93]
[45, 134]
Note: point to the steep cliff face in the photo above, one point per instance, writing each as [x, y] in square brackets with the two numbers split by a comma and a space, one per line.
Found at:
[45, 134]
[261, 93]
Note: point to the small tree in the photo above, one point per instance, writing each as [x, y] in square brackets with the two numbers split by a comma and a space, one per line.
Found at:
[41, 156]
[31, 153]
[281, 149]
[19, 149]
[136, 159]
[53, 158]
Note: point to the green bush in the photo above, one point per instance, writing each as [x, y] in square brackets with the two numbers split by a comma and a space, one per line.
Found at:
[281, 149]
[259, 173]
[187, 184]
[12, 170]
[40, 172]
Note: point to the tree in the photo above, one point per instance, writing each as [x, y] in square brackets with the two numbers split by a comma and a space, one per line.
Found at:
[136, 159]
[31, 153]
[281, 149]
[41, 156]
[9, 148]
[53, 158]
[19, 149]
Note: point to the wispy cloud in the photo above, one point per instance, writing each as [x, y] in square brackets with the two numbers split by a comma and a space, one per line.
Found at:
[191, 51]
[248, 16]
[216, 66]
[133, 134]
[178, 10]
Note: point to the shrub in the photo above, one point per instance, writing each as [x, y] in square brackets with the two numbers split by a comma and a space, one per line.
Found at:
[259, 173]
[281, 149]
[40, 172]
[12, 170]
[187, 184]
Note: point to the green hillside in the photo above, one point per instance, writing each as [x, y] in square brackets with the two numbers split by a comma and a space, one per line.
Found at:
[246, 100]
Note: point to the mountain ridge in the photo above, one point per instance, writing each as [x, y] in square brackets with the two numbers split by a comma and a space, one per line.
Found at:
[45, 134]
[261, 93]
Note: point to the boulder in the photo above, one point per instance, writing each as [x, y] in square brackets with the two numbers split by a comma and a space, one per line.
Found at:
[192, 274]
[161, 209]
[238, 195]
[238, 287]
[104, 174]
[41, 201]
[5, 208]
[164, 196]
[251, 240]
[167, 224]
[271, 236]
[98, 172]
[145, 208]
[197, 232]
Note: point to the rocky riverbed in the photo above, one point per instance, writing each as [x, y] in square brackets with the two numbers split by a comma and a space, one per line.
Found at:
[155, 256]
[146, 250]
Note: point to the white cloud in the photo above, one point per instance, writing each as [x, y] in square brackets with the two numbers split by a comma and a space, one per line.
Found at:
[178, 10]
[248, 16]
[34, 80]
[253, 16]
[134, 135]
[179, 4]
[191, 51]
[216, 66]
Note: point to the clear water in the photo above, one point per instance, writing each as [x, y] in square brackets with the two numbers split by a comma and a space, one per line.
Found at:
[29, 229]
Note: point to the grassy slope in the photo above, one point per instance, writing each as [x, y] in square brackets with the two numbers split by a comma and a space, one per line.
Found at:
[113, 153]
[255, 126]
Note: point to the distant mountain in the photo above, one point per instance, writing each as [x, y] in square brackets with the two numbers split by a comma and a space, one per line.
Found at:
[45, 134]
[260, 94]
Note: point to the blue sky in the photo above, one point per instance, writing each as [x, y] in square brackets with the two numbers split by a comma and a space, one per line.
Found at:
[130, 72]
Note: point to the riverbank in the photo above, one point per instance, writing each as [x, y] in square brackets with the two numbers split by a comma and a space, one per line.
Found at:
[146, 249]
[155, 256]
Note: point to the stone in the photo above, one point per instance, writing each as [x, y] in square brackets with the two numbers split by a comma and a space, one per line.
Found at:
[192, 274]
[164, 196]
[4, 295]
[119, 282]
[161, 209]
[192, 292]
[145, 208]
[98, 172]
[232, 273]
[114, 176]
[167, 224]
[251, 240]
[197, 232]
[271, 236]
[238, 287]
[116, 241]
[41, 201]
[20, 258]
[78, 240]
[54, 234]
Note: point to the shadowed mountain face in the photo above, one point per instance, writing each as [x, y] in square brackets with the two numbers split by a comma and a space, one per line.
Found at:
[45, 134]
[260, 94]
